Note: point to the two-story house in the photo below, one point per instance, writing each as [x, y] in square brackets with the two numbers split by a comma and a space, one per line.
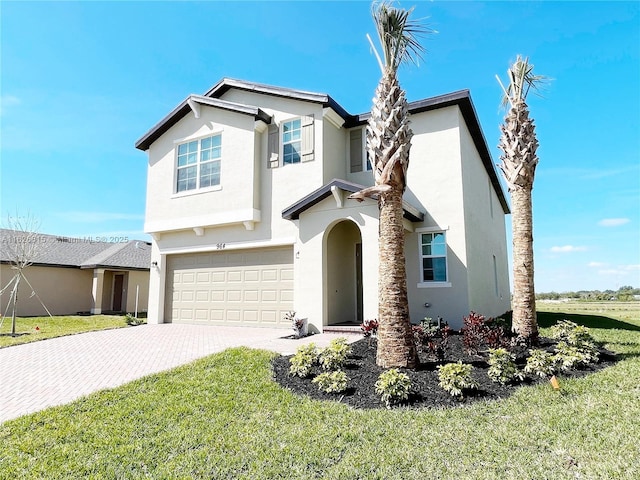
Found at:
[247, 207]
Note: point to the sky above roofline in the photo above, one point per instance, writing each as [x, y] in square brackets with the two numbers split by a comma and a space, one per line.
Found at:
[81, 81]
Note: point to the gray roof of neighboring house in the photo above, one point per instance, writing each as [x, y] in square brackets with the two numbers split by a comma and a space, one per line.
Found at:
[461, 98]
[81, 252]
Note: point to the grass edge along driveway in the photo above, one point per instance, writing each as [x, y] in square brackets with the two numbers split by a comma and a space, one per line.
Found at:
[224, 417]
[33, 329]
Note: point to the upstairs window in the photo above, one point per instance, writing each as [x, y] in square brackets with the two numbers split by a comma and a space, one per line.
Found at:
[433, 256]
[198, 163]
[291, 141]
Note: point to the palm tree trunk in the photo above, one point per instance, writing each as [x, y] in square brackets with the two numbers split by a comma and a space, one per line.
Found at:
[524, 300]
[396, 347]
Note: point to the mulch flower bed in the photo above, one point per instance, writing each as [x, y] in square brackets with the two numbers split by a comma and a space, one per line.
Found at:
[363, 373]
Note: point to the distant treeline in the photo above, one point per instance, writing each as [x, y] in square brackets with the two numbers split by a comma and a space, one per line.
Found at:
[623, 294]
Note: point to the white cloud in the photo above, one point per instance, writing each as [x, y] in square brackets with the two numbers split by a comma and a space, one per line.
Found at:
[8, 101]
[621, 270]
[95, 217]
[610, 271]
[597, 264]
[613, 222]
[568, 248]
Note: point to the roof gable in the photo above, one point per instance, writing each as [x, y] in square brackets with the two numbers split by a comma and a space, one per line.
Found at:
[293, 212]
[187, 105]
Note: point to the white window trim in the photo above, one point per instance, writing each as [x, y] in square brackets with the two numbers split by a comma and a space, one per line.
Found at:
[281, 141]
[420, 231]
[195, 191]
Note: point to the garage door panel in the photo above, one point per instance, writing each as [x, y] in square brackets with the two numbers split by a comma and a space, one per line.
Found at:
[250, 287]
[250, 316]
[251, 296]
[202, 296]
[234, 296]
[217, 296]
[218, 277]
[188, 277]
[234, 276]
[252, 275]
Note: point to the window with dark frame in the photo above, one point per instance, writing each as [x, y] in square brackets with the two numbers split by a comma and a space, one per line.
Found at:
[433, 256]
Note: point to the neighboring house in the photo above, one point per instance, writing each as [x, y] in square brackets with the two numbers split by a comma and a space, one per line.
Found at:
[72, 275]
[247, 207]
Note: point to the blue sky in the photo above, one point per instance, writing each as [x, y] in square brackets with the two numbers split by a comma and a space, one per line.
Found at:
[82, 81]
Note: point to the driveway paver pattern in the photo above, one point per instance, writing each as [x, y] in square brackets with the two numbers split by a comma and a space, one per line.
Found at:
[38, 375]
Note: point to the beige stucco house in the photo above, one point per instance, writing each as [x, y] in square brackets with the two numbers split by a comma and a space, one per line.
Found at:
[70, 275]
[247, 207]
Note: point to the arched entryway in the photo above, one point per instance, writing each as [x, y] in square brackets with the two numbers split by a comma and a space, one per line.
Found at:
[343, 287]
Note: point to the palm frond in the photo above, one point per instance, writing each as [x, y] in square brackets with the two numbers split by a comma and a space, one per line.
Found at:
[521, 81]
[399, 34]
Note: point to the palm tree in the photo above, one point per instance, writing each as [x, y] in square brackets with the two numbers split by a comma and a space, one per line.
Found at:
[518, 143]
[388, 142]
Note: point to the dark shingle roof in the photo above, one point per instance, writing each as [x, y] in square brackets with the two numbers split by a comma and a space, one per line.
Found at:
[82, 252]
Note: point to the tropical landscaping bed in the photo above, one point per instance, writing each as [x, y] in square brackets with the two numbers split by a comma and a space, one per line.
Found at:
[425, 391]
[225, 417]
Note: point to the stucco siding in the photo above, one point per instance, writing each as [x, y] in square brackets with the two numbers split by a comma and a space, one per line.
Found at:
[64, 291]
[484, 219]
[335, 149]
[312, 283]
[434, 185]
[231, 201]
[137, 281]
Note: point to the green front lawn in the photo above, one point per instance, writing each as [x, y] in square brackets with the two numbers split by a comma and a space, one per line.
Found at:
[224, 417]
[56, 326]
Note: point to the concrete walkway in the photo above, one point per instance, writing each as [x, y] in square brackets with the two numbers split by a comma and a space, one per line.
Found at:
[53, 372]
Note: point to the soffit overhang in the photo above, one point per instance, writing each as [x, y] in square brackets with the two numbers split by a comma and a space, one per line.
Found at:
[293, 212]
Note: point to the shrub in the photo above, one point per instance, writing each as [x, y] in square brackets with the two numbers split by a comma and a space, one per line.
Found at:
[572, 333]
[335, 355]
[432, 337]
[302, 362]
[439, 345]
[297, 324]
[393, 386]
[332, 382]
[134, 321]
[503, 367]
[576, 345]
[540, 363]
[455, 377]
[570, 356]
[478, 331]
[369, 328]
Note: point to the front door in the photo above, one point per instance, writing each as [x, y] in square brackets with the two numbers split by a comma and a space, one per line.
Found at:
[118, 286]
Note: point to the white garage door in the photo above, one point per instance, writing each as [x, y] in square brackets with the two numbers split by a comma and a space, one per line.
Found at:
[240, 287]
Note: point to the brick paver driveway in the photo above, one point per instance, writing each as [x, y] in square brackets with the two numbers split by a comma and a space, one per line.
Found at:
[52, 372]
